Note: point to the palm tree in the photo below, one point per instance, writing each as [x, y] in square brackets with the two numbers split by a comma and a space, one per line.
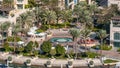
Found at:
[67, 15]
[75, 33]
[49, 17]
[59, 14]
[15, 28]
[102, 34]
[25, 21]
[85, 34]
[37, 15]
[84, 13]
[50, 4]
[4, 28]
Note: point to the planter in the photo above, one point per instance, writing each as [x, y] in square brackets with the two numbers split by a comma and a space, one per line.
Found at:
[48, 64]
[91, 64]
[70, 64]
[28, 62]
[9, 60]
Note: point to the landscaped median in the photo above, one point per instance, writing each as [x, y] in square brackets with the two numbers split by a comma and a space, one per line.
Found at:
[42, 62]
[110, 62]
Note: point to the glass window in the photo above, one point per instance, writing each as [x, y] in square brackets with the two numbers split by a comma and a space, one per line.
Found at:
[116, 36]
[20, 6]
[117, 44]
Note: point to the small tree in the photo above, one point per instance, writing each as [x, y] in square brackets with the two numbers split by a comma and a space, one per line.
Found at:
[28, 48]
[35, 45]
[20, 49]
[102, 34]
[46, 47]
[6, 46]
[35, 53]
[60, 50]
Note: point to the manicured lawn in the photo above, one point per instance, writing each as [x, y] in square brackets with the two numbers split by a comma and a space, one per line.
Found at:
[110, 61]
[89, 55]
[103, 47]
[92, 54]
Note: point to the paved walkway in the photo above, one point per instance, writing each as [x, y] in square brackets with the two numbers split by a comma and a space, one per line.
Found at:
[55, 62]
[111, 54]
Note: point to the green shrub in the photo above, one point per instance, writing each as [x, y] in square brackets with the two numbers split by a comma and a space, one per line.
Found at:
[110, 61]
[18, 39]
[103, 47]
[60, 50]
[27, 6]
[13, 39]
[118, 50]
[44, 27]
[43, 56]
[6, 46]
[35, 53]
[46, 47]
[92, 54]
[36, 44]
[26, 54]
[28, 48]
[84, 54]
[39, 31]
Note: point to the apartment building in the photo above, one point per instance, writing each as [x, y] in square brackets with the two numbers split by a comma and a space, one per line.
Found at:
[115, 31]
[114, 2]
[20, 4]
[72, 3]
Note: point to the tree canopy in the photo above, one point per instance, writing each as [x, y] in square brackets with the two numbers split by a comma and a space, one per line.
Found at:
[46, 47]
[60, 50]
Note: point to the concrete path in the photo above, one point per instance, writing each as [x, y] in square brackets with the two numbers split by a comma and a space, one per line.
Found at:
[39, 61]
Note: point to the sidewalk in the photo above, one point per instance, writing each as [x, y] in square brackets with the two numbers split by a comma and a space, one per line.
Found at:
[39, 61]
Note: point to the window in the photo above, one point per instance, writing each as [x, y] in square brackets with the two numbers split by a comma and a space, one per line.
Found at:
[116, 36]
[116, 44]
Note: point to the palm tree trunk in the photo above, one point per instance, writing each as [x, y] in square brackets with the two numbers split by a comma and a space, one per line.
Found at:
[14, 43]
[75, 47]
[101, 46]
[85, 44]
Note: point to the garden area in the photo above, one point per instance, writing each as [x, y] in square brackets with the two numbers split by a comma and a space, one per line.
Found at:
[102, 47]
[110, 61]
[44, 27]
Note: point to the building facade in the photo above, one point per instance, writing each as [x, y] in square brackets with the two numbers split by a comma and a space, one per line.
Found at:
[114, 2]
[115, 31]
[20, 4]
[72, 3]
